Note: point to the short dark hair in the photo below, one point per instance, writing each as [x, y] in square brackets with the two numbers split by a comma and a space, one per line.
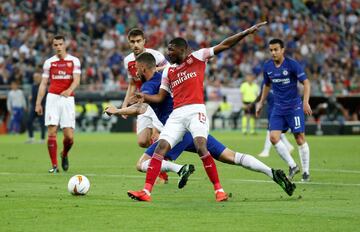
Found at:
[146, 58]
[179, 42]
[58, 37]
[135, 32]
[277, 41]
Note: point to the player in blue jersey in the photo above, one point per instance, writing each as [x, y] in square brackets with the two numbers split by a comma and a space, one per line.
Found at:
[222, 154]
[282, 74]
[267, 145]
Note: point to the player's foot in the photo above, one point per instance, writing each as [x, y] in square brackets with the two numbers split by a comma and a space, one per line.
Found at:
[30, 141]
[221, 196]
[64, 163]
[41, 141]
[184, 174]
[305, 177]
[280, 178]
[163, 178]
[293, 171]
[54, 169]
[264, 154]
[139, 195]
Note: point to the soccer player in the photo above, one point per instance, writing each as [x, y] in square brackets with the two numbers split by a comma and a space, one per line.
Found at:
[249, 91]
[281, 74]
[185, 82]
[267, 145]
[63, 71]
[136, 40]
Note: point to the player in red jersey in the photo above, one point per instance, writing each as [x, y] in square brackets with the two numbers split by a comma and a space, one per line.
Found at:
[136, 41]
[63, 71]
[146, 133]
[185, 82]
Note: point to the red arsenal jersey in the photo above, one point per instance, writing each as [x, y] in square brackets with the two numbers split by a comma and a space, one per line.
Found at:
[186, 81]
[60, 72]
[129, 64]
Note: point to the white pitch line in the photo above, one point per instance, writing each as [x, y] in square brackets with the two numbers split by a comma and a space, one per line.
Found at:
[335, 170]
[193, 178]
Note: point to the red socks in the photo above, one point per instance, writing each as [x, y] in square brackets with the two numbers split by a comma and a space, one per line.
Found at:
[153, 171]
[52, 148]
[210, 168]
[67, 146]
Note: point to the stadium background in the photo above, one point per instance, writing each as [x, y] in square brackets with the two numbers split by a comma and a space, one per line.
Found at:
[322, 35]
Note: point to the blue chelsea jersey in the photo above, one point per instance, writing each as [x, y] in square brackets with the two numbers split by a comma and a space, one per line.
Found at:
[283, 82]
[151, 87]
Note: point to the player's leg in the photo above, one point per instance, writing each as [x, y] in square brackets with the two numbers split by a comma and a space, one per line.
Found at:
[68, 142]
[42, 128]
[198, 126]
[52, 120]
[30, 125]
[278, 123]
[267, 145]
[297, 125]
[169, 137]
[250, 162]
[67, 123]
[286, 142]
[52, 148]
[252, 118]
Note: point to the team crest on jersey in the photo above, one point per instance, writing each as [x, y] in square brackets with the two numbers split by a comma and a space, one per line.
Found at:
[69, 64]
[285, 72]
[189, 61]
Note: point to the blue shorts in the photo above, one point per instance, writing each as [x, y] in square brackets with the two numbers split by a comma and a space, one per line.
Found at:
[187, 144]
[294, 121]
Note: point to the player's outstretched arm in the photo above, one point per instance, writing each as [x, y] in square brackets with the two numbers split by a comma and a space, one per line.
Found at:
[136, 109]
[233, 40]
[156, 98]
[129, 92]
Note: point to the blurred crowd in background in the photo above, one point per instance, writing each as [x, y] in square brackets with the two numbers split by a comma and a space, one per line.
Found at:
[322, 35]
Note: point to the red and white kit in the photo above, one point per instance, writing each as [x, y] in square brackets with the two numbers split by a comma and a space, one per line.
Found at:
[186, 83]
[60, 110]
[129, 63]
[146, 120]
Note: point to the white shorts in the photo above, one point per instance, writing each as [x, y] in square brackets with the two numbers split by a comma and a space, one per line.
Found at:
[60, 110]
[148, 120]
[190, 118]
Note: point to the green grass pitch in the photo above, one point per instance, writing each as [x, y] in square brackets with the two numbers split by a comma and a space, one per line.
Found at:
[33, 200]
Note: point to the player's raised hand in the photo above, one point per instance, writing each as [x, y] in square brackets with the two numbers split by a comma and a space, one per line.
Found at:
[307, 109]
[256, 27]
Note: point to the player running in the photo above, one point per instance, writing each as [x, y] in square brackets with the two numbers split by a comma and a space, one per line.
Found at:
[281, 74]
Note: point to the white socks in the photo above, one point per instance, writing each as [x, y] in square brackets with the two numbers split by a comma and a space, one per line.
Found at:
[166, 166]
[286, 142]
[284, 154]
[267, 144]
[304, 153]
[250, 162]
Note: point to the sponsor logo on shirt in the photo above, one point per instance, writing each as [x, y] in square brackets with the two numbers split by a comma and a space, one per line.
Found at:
[283, 81]
[182, 76]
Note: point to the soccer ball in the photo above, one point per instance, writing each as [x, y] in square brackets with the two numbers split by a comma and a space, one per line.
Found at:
[78, 185]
